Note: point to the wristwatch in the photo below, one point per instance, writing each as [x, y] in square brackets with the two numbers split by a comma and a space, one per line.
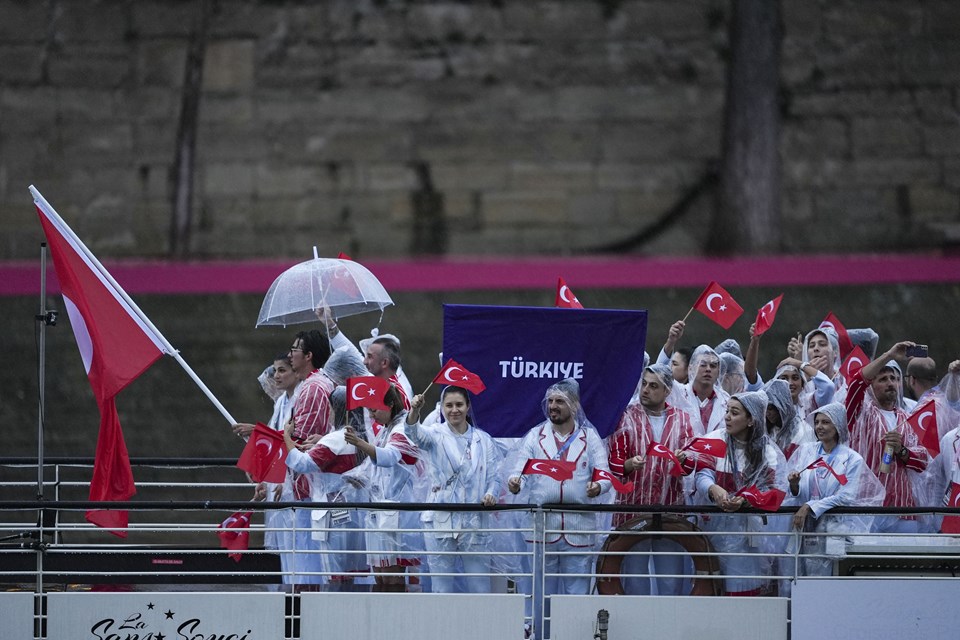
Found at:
[903, 453]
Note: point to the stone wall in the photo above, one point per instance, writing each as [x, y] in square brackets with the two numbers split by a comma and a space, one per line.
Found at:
[496, 127]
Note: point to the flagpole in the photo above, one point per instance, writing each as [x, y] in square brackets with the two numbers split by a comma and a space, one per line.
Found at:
[688, 314]
[170, 350]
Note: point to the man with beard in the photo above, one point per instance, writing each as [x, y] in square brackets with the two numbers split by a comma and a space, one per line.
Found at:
[878, 430]
[651, 421]
[567, 436]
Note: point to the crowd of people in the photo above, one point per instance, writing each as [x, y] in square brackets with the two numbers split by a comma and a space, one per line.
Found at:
[822, 436]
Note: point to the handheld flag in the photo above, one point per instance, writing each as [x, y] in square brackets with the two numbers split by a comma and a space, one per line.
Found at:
[657, 450]
[718, 305]
[924, 423]
[234, 534]
[265, 455]
[454, 373]
[343, 256]
[765, 500]
[565, 297]
[843, 338]
[951, 524]
[116, 345]
[707, 446]
[366, 391]
[766, 315]
[619, 487]
[820, 463]
[559, 470]
[852, 364]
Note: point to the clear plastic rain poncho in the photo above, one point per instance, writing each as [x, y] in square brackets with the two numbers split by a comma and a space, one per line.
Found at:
[653, 483]
[463, 468]
[345, 362]
[811, 397]
[584, 446]
[821, 489]
[732, 379]
[933, 487]
[397, 475]
[756, 462]
[793, 431]
[729, 346]
[269, 384]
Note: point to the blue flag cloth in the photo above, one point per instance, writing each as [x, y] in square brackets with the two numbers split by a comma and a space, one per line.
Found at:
[520, 351]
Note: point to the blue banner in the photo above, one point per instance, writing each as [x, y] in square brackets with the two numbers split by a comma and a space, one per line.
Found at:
[520, 351]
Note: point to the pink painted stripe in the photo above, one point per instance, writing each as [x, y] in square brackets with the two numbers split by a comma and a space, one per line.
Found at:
[255, 276]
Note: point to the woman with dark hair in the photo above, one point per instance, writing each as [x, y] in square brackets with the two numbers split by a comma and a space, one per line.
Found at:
[463, 464]
[751, 460]
[389, 473]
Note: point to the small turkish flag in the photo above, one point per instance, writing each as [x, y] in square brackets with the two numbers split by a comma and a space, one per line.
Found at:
[619, 487]
[333, 454]
[565, 298]
[707, 446]
[343, 256]
[264, 456]
[718, 305]
[657, 450]
[843, 338]
[454, 373]
[765, 500]
[951, 524]
[766, 315]
[924, 423]
[820, 463]
[234, 534]
[854, 361]
[367, 391]
[557, 469]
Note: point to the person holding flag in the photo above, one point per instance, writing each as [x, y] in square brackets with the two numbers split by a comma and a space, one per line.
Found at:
[940, 482]
[391, 474]
[880, 433]
[752, 463]
[567, 438]
[463, 465]
[823, 475]
[701, 397]
[655, 479]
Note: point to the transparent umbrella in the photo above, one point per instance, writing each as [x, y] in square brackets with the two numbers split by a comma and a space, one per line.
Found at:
[343, 286]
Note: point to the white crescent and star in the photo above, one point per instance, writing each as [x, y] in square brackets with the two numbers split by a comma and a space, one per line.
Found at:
[851, 361]
[709, 300]
[446, 374]
[924, 416]
[956, 500]
[563, 293]
[538, 466]
[356, 387]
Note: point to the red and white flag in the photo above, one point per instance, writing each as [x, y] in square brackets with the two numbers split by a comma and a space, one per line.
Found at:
[265, 455]
[333, 454]
[852, 364]
[234, 534]
[924, 423]
[619, 487]
[116, 344]
[565, 298]
[367, 391]
[707, 446]
[765, 500]
[820, 463]
[454, 373]
[559, 470]
[951, 524]
[718, 305]
[843, 338]
[657, 450]
[343, 256]
[766, 315]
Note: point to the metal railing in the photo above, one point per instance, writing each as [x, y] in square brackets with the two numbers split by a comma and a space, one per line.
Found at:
[172, 543]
